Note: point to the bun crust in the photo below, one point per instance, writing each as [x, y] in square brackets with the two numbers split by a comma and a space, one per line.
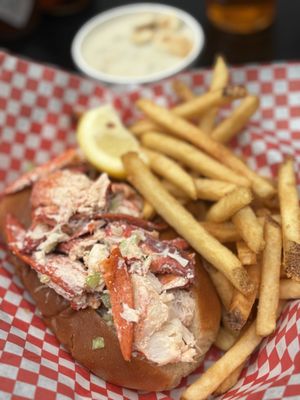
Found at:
[108, 363]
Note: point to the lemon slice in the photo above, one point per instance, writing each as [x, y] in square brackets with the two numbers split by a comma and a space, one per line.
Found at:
[103, 140]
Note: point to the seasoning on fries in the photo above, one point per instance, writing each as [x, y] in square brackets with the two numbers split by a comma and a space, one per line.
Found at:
[239, 117]
[186, 130]
[290, 218]
[249, 228]
[185, 224]
[212, 189]
[193, 158]
[227, 206]
[172, 171]
[270, 276]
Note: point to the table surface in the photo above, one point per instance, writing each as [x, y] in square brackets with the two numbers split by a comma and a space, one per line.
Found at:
[51, 39]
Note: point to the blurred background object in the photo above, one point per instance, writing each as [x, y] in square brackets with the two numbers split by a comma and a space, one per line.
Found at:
[241, 16]
[49, 36]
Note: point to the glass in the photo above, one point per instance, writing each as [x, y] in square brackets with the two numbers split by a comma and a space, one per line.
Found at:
[241, 16]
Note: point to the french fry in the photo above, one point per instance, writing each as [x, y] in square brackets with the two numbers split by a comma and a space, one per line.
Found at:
[185, 130]
[245, 255]
[230, 381]
[225, 232]
[226, 207]
[213, 190]
[289, 289]
[249, 228]
[222, 285]
[221, 369]
[175, 191]
[225, 339]
[290, 222]
[148, 210]
[193, 108]
[220, 76]
[241, 306]
[170, 170]
[192, 157]
[270, 276]
[184, 223]
[239, 117]
[182, 90]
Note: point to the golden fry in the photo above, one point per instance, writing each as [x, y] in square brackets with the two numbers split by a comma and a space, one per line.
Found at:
[226, 207]
[175, 191]
[230, 381]
[245, 255]
[239, 117]
[185, 130]
[270, 276]
[192, 158]
[249, 228]
[225, 232]
[289, 289]
[213, 190]
[183, 92]
[193, 107]
[241, 306]
[290, 218]
[148, 210]
[184, 223]
[170, 170]
[220, 77]
[225, 339]
[221, 369]
[222, 285]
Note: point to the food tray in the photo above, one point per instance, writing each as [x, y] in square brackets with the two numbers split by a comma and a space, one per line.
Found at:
[37, 106]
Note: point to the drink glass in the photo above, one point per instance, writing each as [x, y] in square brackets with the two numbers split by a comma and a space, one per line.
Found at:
[241, 16]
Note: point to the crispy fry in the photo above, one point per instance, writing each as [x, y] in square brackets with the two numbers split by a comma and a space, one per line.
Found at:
[230, 381]
[225, 232]
[194, 107]
[183, 92]
[239, 117]
[249, 228]
[185, 130]
[221, 369]
[184, 223]
[290, 213]
[229, 205]
[225, 339]
[289, 289]
[170, 170]
[270, 276]
[245, 255]
[220, 76]
[241, 306]
[192, 157]
[210, 189]
[222, 285]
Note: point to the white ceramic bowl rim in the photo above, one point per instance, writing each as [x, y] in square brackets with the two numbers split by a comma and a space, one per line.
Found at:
[190, 21]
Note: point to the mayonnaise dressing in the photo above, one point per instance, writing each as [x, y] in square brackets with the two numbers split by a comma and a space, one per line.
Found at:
[110, 47]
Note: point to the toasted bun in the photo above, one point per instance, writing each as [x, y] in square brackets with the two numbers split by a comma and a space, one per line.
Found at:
[76, 329]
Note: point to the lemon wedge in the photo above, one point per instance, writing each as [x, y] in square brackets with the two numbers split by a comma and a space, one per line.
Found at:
[103, 139]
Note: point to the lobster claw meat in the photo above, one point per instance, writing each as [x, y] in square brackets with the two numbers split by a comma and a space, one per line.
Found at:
[120, 288]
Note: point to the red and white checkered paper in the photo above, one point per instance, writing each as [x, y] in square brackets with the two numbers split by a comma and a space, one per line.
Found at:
[36, 105]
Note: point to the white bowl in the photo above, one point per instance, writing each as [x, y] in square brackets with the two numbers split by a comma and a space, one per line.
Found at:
[187, 19]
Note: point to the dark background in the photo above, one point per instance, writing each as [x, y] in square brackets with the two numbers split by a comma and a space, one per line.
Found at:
[51, 37]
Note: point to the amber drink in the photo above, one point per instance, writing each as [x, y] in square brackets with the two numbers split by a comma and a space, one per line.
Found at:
[241, 16]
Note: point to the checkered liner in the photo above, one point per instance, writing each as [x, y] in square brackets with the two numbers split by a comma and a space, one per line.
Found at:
[36, 108]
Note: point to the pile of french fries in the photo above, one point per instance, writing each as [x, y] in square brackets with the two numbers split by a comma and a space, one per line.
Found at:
[246, 227]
